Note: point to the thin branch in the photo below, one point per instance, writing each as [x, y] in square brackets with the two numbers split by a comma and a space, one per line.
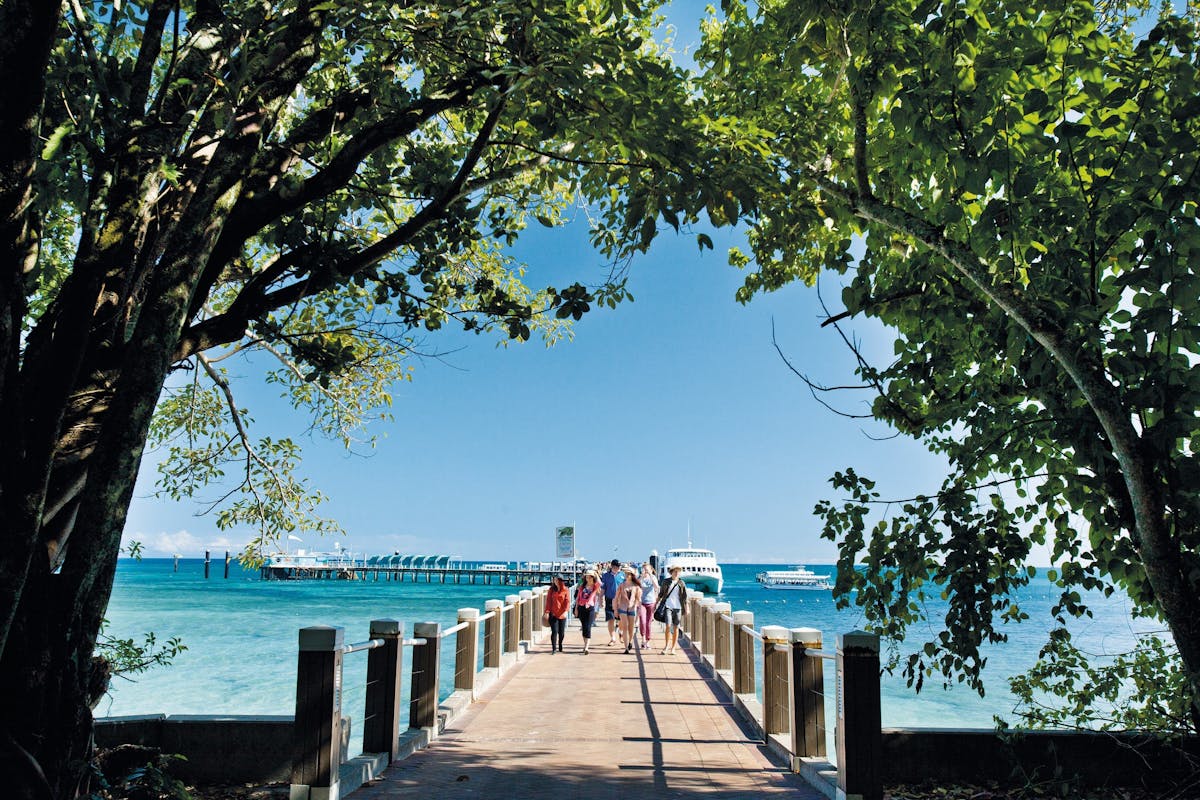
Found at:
[813, 387]
[871, 302]
[93, 58]
[959, 490]
[251, 453]
[865, 366]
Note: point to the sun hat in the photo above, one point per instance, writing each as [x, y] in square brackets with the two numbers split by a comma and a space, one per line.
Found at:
[591, 572]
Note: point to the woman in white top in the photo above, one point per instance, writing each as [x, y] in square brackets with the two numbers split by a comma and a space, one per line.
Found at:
[673, 596]
[649, 598]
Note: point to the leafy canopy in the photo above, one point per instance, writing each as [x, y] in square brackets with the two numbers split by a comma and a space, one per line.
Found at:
[1023, 178]
[374, 163]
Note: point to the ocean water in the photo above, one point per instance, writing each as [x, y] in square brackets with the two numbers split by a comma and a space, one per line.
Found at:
[241, 636]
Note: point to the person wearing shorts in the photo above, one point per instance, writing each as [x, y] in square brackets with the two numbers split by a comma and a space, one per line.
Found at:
[673, 597]
[628, 600]
[611, 579]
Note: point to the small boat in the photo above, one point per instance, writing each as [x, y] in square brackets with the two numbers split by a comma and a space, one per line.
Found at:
[794, 578]
[698, 568]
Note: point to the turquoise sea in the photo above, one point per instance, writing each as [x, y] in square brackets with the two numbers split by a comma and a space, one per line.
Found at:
[241, 633]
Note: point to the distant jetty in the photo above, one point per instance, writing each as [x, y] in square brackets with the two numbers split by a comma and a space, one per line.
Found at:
[346, 566]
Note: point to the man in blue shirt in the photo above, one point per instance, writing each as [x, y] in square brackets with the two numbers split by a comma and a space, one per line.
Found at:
[611, 578]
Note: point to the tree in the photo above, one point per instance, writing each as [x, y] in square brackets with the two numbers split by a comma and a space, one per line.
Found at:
[181, 179]
[1023, 178]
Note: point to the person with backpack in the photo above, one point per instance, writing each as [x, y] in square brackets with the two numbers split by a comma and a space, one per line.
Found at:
[672, 602]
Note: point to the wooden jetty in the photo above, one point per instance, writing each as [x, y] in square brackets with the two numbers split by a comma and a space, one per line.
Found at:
[523, 722]
[412, 570]
[483, 577]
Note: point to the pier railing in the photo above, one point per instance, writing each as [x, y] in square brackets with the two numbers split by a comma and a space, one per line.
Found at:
[320, 770]
[791, 715]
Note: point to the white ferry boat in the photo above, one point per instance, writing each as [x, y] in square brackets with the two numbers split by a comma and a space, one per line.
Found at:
[794, 578]
[698, 568]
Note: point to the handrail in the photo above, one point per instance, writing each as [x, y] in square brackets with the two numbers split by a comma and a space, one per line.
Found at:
[319, 673]
[460, 626]
[778, 647]
[751, 632]
[820, 654]
[727, 618]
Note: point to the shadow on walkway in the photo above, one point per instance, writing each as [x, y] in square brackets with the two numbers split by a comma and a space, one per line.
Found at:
[605, 725]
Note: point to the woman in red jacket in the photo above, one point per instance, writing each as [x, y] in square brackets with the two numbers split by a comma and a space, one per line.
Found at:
[558, 604]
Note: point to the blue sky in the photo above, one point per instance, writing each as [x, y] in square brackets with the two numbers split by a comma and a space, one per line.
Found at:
[672, 409]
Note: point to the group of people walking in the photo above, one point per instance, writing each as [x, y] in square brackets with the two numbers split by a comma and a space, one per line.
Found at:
[630, 602]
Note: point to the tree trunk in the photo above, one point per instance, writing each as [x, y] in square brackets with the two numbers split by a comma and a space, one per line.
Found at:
[29, 27]
[53, 678]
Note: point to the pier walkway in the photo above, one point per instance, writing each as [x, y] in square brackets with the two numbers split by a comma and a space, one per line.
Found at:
[604, 725]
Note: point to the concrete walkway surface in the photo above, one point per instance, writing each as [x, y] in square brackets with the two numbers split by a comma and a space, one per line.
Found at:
[603, 725]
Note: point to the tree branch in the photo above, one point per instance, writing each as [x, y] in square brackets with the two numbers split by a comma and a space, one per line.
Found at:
[1151, 534]
[226, 327]
[260, 206]
[143, 69]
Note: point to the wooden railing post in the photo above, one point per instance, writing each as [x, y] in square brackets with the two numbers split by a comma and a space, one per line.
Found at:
[526, 619]
[381, 715]
[705, 631]
[858, 737]
[466, 651]
[423, 702]
[539, 603]
[491, 633]
[692, 620]
[743, 653]
[776, 695]
[512, 641]
[721, 651]
[808, 695]
[543, 596]
[316, 731]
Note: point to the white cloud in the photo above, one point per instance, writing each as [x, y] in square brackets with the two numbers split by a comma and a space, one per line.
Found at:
[183, 542]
